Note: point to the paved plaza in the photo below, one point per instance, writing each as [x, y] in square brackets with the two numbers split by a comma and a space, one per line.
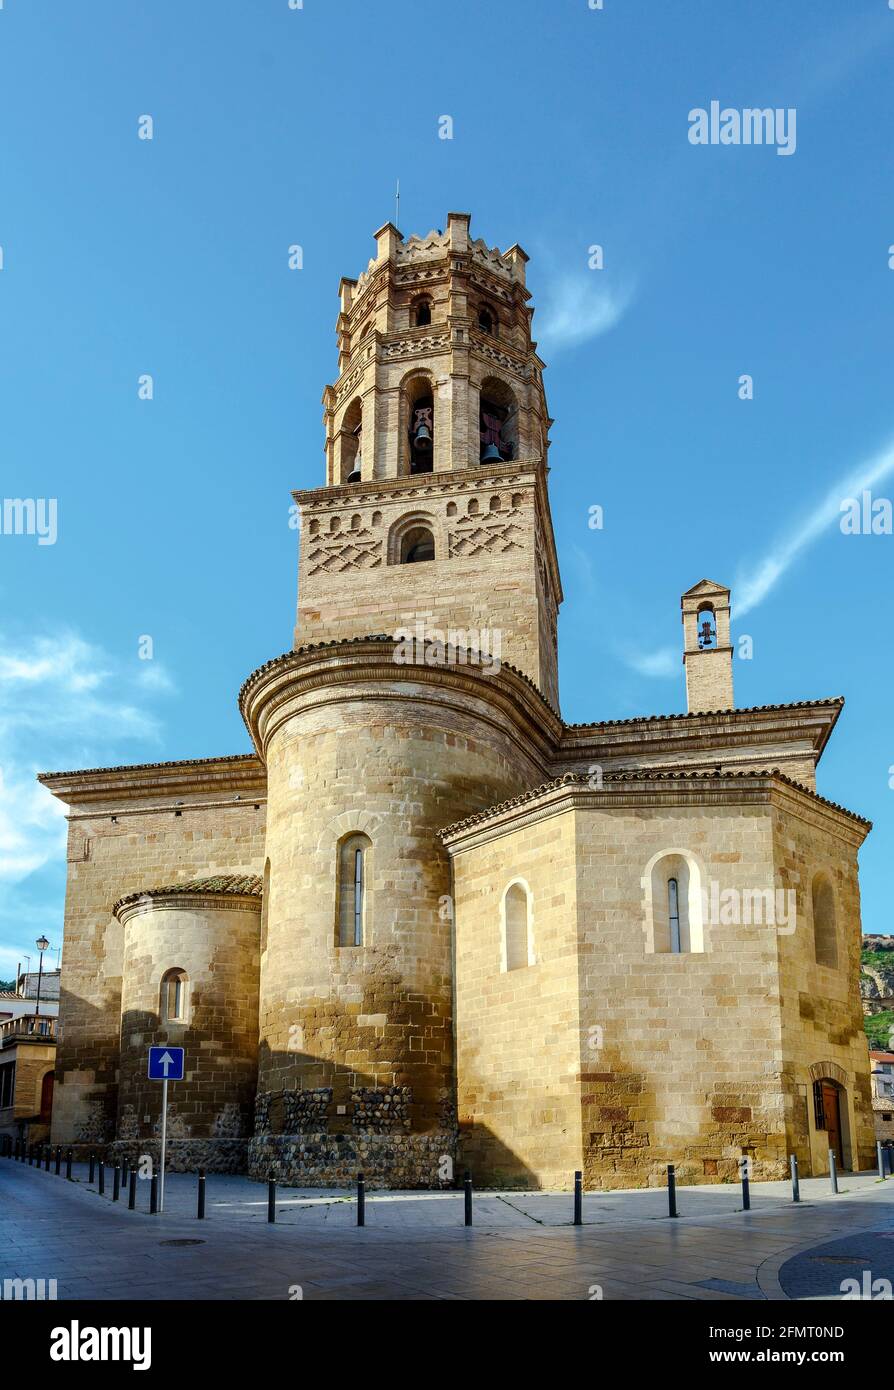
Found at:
[415, 1246]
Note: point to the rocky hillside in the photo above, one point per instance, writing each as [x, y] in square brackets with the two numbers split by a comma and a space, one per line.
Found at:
[877, 990]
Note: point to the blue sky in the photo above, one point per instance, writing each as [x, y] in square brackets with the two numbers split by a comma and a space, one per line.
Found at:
[274, 126]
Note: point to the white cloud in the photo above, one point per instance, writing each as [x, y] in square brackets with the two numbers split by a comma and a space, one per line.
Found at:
[575, 308]
[754, 586]
[63, 703]
[661, 663]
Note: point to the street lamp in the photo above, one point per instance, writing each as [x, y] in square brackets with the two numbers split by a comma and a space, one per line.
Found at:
[41, 943]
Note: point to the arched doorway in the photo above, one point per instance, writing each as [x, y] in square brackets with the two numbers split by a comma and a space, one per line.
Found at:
[46, 1098]
[831, 1120]
[827, 1109]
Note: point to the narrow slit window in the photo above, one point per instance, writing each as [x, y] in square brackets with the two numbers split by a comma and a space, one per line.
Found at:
[673, 912]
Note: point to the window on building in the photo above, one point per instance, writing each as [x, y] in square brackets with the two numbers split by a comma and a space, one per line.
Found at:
[825, 937]
[707, 628]
[353, 873]
[673, 914]
[676, 926]
[265, 906]
[174, 989]
[418, 544]
[486, 320]
[516, 927]
[423, 313]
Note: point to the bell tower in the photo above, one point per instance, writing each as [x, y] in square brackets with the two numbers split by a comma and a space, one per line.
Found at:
[435, 515]
[707, 650]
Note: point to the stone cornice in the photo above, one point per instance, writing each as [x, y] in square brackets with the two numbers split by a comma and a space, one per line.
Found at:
[810, 720]
[418, 484]
[343, 669]
[236, 891]
[241, 773]
[658, 790]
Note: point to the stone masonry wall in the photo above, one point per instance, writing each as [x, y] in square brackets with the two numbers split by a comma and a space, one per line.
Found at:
[216, 943]
[821, 1008]
[112, 852]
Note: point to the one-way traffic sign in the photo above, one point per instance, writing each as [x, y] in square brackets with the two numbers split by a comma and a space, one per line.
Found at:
[166, 1064]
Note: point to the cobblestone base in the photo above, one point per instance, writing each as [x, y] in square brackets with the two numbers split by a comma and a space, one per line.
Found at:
[185, 1155]
[399, 1161]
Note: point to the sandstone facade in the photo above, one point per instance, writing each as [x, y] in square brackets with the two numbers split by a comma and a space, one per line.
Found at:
[426, 923]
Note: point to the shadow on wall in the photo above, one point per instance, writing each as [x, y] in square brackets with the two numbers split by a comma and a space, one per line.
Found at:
[333, 1122]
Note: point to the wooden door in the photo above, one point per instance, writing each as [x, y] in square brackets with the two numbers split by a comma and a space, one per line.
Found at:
[832, 1114]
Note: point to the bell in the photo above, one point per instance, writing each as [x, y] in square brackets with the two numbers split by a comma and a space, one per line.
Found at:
[354, 476]
[491, 455]
[422, 439]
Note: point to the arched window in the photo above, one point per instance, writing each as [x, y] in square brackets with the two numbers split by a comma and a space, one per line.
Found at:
[417, 544]
[350, 462]
[353, 874]
[825, 935]
[418, 425]
[516, 927]
[673, 894]
[498, 422]
[423, 313]
[707, 627]
[265, 906]
[487, 321]
[174, 990]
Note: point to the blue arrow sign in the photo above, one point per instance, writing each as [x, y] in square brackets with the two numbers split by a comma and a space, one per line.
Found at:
[166, 1064]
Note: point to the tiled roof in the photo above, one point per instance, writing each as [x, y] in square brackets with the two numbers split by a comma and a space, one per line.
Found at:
[835, 701]
[583, 779]
[378, 637]
[144, 767]
[235, 885]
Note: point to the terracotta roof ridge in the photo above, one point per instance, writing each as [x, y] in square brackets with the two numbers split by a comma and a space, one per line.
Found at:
[645, 775]
[386, 637]
[701, 714]
[231, 885]
[145, 767]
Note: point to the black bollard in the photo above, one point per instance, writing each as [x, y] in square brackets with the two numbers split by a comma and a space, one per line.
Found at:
[92, 1168]
[58, 1159]
[200, 1212]
[116, 1183]
[746, 1186]
[796, 1186]
[125, 1172]
[361, 1200]
[102, 1176]
[671, 1190]
[46, 1158]
[467, 1197]
[153, 1195]
[578, 1199]
[833, 1171]
[880, 1157]
[271, 1198]
[132, 1190]
[68, 1158]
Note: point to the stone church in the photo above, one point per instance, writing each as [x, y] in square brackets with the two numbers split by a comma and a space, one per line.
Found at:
[427, 925]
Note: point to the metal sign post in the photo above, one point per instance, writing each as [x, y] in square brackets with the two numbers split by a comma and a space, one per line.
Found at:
[165, 1064]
